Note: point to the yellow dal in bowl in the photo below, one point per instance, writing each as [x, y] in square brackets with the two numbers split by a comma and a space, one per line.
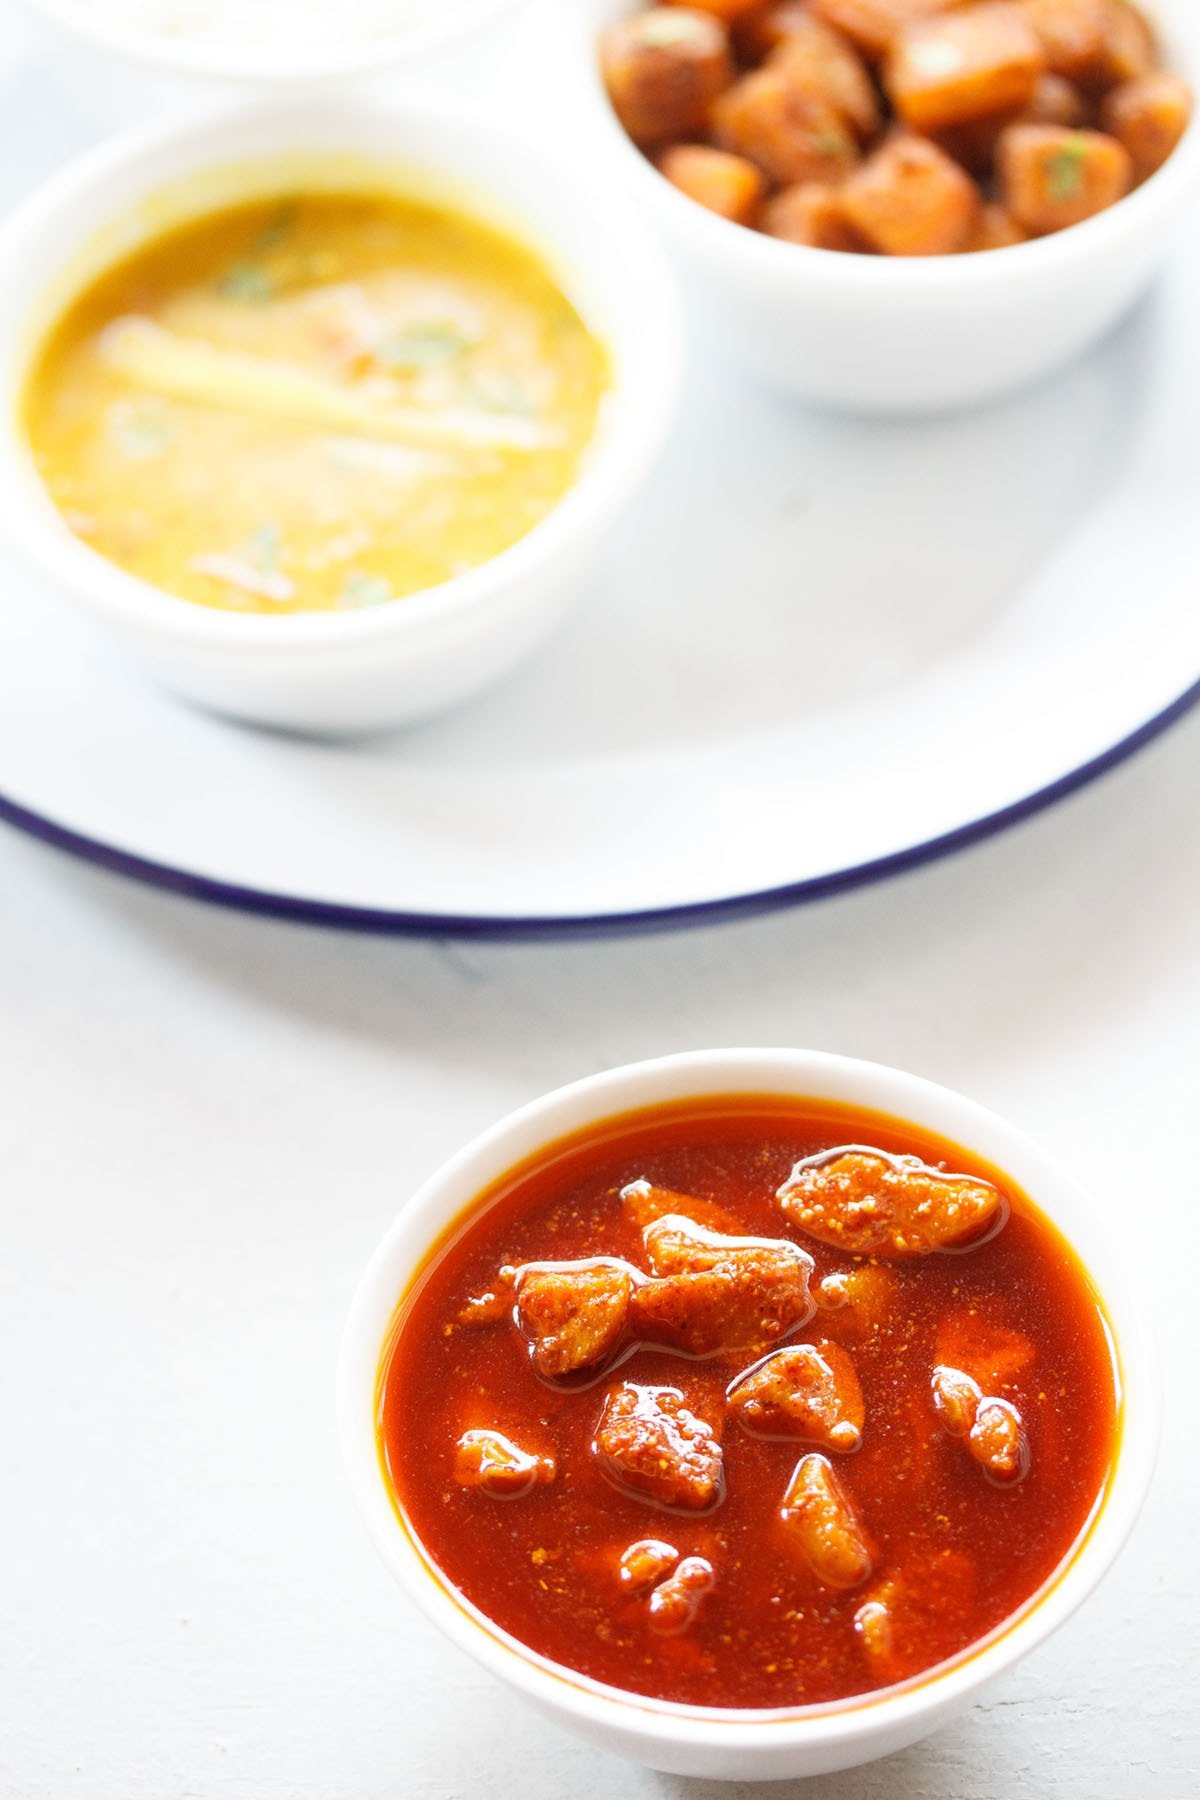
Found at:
[314, 403]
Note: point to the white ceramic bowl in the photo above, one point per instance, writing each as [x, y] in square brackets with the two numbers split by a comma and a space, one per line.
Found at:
[904, 335]
[104, 41]
[408, 658]
[701, 1741]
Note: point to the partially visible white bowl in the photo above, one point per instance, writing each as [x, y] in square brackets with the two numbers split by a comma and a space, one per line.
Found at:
[904, 335]
[408, 658]
[98, 37]
[705, 1741]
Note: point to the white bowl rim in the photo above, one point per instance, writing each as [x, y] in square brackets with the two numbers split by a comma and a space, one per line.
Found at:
[363, 56]
[806, 266]
[797, 1074]
[633, 421]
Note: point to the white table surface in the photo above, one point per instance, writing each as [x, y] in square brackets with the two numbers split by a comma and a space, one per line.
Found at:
[206, 1123]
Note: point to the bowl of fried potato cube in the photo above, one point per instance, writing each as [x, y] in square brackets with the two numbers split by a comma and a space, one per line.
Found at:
[906, 205]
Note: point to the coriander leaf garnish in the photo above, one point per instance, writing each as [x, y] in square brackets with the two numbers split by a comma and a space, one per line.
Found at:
[263, 549]
[247, 281]
[504, 394]
[140, 429]
[1065, 170]
[360, 589]
[276, 228]
[421, 346]
[832, 143]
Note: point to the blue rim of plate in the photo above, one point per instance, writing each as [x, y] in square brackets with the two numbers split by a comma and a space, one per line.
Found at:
[547, 928]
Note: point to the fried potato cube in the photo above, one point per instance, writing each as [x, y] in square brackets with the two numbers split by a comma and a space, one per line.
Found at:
[966, 65]
[724, 1294]
[663, 69]
[574, 1314]
[791, 132]
[1051, 177]
[872, 25]
[992, 1429]
[810, 213]
[821, 59]
[727, 185]
[1131, 48]
[676, 1601]
[767, 27]
[1148, 115]
[973, 144]
[645, 1563]
[1095, 43]
[911, 199]
[650, 1445]
[643, 1202]
[995, 229]
[808, 1391]
[1056, 101]
[1073, 33]
[824, 1526]
[490, 1461]
[872, 1203]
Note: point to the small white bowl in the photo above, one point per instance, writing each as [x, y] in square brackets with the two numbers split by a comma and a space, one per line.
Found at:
[104, 42]
[905, 335]
[701, 1741]
[408, 658]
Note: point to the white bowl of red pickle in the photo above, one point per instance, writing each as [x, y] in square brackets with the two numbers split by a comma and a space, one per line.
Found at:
[888, 1110]
[904, 334]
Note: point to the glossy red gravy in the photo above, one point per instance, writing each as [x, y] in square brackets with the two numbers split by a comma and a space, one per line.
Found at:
[955, 1555]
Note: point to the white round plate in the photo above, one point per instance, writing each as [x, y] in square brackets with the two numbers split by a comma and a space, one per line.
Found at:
[821, 651]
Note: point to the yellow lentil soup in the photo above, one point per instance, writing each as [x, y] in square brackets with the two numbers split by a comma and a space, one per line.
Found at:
[314, 403]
